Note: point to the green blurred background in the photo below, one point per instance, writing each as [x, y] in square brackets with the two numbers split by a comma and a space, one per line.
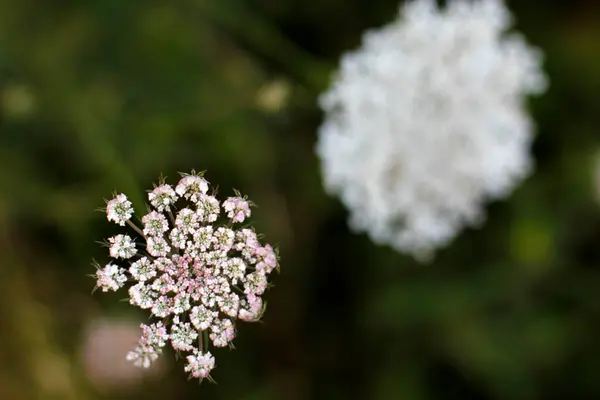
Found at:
[105, 95]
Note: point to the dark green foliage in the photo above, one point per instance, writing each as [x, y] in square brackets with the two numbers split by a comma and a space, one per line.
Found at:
[99, 96]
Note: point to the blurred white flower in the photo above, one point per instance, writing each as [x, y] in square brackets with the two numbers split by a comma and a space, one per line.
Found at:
[596, 174]
[105, 341]
[18, 101]
[425, 122]
[273, 96]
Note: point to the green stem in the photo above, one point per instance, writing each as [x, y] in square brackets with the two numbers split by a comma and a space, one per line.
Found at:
[205, 334]
[138, 230]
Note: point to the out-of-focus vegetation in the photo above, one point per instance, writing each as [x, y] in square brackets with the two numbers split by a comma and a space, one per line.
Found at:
[105, 95]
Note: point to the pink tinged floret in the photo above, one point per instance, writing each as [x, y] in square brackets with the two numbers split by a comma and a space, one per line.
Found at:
[162, 306]
[202, 317]
[208, 297]
[247, 243]
[234, 269]
[154, 334]
[237, 209]
[119, 209]
[143, 356]
[142, 295]
[267, 259]
[195, 289]
[223, 332]
[164, 264]
[251, 308]
[229, 304]
[184, 270]
[155, 224]
[157, 246]
[214, 258]
[162, 197]
[121, 246]
[204, 238]
[142, 269]
[248, 237]
[184, 261]
[187, 221]
[182, 335]
[191, 187]
[111, 277]
[200, 365]
[149, 346]
[208, 209]
[224, 239]
[181, 303]
[164, 284]
[178, 238]
[255, 283]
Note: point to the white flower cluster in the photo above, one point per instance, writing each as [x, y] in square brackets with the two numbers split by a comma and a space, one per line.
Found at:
[198, 272]
[425, 122]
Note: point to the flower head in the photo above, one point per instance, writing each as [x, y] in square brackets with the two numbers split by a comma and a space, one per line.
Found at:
[111, 277]
[198, 275]
[425, 122]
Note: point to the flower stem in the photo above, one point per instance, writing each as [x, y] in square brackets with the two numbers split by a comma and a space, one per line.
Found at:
[138, 230]
[205, 334]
